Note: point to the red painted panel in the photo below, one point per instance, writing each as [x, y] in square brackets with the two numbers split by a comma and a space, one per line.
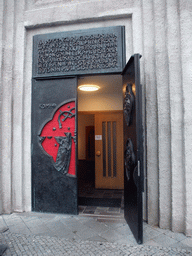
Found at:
[62, 122]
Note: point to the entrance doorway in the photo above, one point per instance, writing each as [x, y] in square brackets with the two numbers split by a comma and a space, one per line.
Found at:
[54, 140]
[100, 142]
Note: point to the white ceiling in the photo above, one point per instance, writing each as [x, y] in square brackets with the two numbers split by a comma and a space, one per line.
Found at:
[108, 97]
[108, 84]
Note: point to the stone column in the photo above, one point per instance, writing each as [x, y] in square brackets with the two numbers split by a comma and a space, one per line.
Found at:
[151, 112]
[164, 131]
[7, 93]
[186, 63]
[137, 31]
[176, 115]
[17, 133]
[1, 49]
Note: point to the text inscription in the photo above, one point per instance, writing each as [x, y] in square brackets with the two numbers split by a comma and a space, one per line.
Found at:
[47, 106]
[78, 53]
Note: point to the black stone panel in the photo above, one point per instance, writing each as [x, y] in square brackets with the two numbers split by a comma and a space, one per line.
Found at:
[52, 190]
[92, 51]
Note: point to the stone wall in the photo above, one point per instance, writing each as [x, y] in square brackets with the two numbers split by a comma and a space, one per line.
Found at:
[166, 37]
[160, 30]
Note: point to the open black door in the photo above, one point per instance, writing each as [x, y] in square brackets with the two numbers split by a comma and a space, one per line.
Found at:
[54, 115]
[133, 147]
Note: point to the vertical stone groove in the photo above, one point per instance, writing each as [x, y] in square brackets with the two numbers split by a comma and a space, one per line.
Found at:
[1, 49]
[164, 132]
[186, 67]
[151, 116]
[176, 115]
[7, 79]
[18, 108]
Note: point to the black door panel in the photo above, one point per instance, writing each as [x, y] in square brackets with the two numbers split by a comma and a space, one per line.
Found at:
[54, 114]
[133, 147]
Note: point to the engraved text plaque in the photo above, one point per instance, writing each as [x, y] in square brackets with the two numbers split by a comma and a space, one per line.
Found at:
[89, 51]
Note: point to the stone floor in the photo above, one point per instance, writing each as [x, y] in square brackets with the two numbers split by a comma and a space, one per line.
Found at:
[95, 231]
[95, 211]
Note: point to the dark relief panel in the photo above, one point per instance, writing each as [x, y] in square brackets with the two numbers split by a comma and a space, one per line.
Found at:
[79, 52]
[54, 181]
[133, 148]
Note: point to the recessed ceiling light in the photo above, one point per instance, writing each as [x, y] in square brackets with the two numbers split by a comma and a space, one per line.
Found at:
[89, 87]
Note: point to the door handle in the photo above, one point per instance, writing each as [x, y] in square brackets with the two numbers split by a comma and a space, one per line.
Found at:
[98, 153]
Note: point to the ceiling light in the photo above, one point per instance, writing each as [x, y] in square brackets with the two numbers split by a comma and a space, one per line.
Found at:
[89, 87]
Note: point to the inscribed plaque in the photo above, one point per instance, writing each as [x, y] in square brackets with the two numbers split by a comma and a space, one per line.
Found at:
[89, 51]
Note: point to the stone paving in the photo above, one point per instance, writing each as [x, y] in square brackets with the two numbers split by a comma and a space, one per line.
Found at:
[104, 233]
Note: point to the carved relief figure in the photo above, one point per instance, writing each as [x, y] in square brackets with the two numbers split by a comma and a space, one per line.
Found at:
[58, 138]
[64, 153]
[128, 104]
[129, 158]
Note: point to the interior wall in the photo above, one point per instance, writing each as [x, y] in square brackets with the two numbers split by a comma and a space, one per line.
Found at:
[83, 121]
[108, 98]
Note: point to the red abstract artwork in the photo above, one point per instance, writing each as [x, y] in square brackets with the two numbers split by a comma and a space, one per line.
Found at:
[58, 138]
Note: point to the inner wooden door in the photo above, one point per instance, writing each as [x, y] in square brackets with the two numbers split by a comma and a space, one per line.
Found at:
[109, 171]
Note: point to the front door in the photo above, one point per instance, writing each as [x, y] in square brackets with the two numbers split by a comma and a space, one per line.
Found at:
[109, 150]
[133, 147]
[54, 114]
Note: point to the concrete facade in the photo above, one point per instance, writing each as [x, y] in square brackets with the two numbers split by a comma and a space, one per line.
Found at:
[161, 31]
